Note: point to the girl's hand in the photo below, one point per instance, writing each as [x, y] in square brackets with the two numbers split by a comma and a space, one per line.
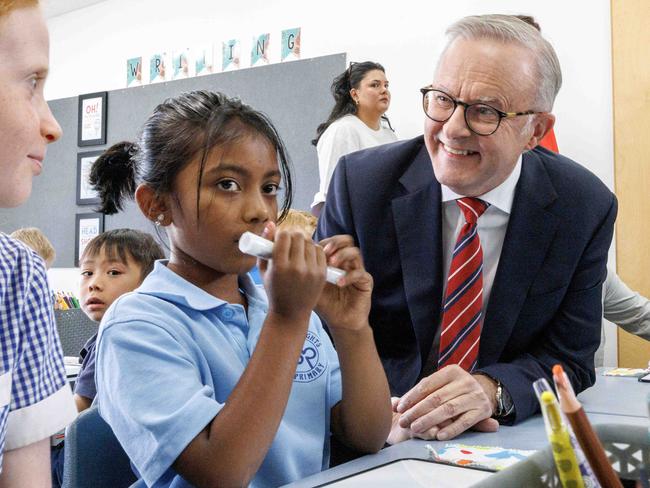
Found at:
[295, 276]
[345, 305]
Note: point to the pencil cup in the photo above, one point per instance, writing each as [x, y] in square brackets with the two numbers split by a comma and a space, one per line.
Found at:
[627, 447]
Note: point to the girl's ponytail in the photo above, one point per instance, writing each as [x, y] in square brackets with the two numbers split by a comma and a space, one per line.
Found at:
[113, 176]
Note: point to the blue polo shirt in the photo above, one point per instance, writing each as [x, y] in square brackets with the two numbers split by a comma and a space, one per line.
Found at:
[168, 356]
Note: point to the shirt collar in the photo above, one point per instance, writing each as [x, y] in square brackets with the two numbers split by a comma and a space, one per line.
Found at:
[163, 283]
[500, 197]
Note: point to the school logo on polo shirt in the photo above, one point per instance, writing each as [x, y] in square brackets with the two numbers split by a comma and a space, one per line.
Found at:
[310, 365]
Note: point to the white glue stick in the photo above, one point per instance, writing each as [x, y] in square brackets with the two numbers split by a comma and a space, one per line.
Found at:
[259, 247]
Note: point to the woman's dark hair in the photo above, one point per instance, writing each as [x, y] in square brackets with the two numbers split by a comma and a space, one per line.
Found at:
[178, 129]
[120, 244]
[341, 86]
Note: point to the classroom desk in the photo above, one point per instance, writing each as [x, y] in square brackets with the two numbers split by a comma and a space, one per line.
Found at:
[609, 392]
[614, 395]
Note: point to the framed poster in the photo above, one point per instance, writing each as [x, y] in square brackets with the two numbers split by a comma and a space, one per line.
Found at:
[86, 195]
[91, 126]
[87, 226]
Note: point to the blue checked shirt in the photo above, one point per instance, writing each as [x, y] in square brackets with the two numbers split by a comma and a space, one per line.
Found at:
[35, 399]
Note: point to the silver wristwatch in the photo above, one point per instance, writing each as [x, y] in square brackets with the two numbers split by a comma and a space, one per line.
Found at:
[505, 406]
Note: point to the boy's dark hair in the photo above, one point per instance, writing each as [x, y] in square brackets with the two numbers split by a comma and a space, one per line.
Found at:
[341, 86]
[180, 129]
[120, 244]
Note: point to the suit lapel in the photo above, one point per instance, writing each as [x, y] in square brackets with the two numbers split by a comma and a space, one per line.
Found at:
[417, 220]
[531, 229]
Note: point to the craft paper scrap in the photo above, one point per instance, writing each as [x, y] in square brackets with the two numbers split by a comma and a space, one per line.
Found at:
[487, 457]
[625, 372]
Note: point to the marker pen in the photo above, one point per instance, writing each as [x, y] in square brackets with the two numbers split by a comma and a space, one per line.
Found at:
[565, 458]
[588, 477]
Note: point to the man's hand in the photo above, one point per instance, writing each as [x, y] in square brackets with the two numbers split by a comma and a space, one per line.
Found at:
[397, 433]
[447, 403]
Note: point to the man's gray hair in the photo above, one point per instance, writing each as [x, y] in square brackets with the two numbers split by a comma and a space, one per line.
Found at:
[510, 29]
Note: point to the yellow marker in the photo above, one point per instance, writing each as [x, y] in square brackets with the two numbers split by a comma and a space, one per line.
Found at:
[558, 435]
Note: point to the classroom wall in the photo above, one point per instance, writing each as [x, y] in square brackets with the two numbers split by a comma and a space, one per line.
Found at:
[285, 90]
[631, 43]
[89, 49]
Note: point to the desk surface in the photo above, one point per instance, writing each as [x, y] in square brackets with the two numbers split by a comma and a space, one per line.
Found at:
[615, 395]
[613, 400]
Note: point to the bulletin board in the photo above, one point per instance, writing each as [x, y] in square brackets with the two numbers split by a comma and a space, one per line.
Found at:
[295, 95]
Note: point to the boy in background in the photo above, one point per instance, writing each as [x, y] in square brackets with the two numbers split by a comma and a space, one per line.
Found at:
[35, 399]
[112, 264]
[36, 240]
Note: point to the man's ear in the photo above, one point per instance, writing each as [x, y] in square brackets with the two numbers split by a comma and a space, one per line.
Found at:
[542, 124]
[153, 206]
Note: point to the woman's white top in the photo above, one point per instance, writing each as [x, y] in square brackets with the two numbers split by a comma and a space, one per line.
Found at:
[343, 136]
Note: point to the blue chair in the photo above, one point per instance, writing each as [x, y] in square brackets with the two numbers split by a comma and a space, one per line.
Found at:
[93, 455]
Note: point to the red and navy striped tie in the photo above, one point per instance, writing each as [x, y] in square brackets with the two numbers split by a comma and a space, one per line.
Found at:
[463, 306]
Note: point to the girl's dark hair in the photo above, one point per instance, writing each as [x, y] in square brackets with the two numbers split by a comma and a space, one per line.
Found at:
[341, 86]
[178, 129]
[120, 244]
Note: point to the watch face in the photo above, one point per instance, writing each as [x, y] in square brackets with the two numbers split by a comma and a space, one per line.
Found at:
[504, 402]
[506, 406]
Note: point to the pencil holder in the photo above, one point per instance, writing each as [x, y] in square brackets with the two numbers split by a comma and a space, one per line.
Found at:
[627, 448]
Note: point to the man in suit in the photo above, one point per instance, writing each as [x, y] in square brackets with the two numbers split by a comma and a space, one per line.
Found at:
[488, 254]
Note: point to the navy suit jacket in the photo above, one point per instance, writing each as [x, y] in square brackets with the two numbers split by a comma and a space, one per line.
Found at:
[545, 306]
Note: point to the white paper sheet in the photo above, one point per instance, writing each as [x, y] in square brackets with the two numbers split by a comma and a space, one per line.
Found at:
[414, 473]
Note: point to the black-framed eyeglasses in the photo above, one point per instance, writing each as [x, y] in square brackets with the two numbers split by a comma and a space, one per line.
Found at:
[482, 119]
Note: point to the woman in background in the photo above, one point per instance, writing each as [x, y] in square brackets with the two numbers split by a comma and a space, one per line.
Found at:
[356, 122]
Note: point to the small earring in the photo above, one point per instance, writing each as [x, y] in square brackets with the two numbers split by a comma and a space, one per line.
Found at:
[160, 219]
[357, 102]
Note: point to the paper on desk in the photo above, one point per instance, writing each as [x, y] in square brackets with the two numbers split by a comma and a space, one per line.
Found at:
[487, 457]
[634, 372]
[414, 473]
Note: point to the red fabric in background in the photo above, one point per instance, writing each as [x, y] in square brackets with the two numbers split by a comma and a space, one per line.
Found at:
[549, 141]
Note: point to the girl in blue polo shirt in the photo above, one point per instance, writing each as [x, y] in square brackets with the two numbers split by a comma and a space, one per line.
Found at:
[206, 379]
